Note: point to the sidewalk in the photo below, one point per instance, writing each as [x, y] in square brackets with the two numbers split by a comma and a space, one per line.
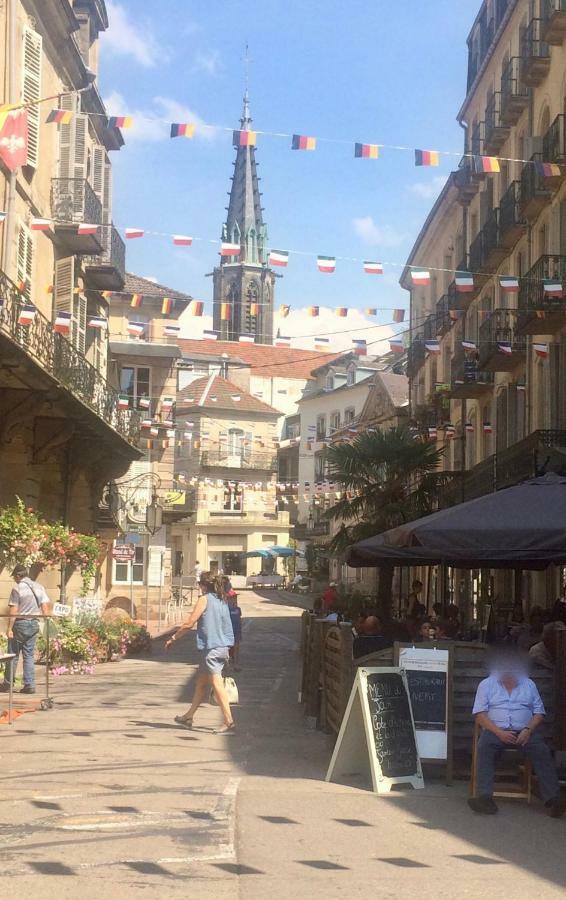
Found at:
[104, 796]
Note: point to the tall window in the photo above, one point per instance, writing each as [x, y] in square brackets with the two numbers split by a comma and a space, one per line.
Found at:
[135, 382]
[135, 320]
[334, 422]
[235, 442]
[233, 497]
[130, 572]
[320, 428]
[349, 415]
[329, 384]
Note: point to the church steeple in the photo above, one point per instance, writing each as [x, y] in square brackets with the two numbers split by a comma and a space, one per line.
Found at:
[245, 283]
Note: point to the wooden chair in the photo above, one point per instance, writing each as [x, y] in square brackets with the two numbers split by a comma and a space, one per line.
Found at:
[521, 789]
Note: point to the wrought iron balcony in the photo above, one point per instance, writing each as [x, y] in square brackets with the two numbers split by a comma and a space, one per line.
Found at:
[535, 54]
[535, 193]
[468, 380]
[512, 224]
[485, 250]
[429, 328]
[415, 355]
[538, 313]
[444, 321]
[514, 94]
[460, 300]
[553, 14]
[466, 180]
[304, 532]
[554, 146]
[66, 366]
[73, 202]
[496, 129]
[107, 270]
[477, 139]
[223, 459]
[497, 330]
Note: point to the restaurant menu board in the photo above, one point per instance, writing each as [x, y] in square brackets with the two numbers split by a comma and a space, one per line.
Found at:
[427, 678]
[377, 735]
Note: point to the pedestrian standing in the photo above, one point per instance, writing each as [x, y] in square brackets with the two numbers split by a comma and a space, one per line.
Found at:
[215, 636]
[28, 598]
[236, 617]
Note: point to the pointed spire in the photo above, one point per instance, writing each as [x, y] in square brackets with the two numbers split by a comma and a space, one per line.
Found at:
[246, 119]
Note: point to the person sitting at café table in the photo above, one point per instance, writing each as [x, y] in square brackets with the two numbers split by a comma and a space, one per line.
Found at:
[371, 639]
[509, 710]
[415, 607]
[543, 654]
[427, 631]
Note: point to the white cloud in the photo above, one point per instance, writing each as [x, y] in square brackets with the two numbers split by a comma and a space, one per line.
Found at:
[153, 124]
[302, 328]
[124, 38]
[428, 190]
[209, 63]
[379, 235]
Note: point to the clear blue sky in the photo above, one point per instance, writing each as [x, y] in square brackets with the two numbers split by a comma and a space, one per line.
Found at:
[365, 71]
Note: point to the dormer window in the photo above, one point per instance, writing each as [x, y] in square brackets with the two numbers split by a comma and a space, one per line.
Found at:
[329, 384]
[351, 378]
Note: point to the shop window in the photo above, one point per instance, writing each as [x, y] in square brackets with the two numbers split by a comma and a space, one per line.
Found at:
[130, 572]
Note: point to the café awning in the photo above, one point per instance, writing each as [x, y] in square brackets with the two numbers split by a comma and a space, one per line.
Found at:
[521, 527]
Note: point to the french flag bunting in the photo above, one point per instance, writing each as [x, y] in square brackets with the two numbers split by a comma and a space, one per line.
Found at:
[373, 268]
[40, 224]
[432, 346]
[229, 249]
[27, 314]
[505, 347]
[87, 228]
[541, 350]
[62, 323]
[396, 345]
[182, 240]
[420, 277]
[134, 233]
[99, 322]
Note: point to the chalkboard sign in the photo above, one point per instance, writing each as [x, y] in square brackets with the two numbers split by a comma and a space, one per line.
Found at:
[379, 711]
[392, 725]
[428, 668]
[427, 691]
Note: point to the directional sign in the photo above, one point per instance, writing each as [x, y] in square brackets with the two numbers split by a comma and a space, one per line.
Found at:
[124, 553]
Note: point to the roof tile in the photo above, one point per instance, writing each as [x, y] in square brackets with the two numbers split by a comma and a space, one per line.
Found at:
[224, 391]
[264, 359]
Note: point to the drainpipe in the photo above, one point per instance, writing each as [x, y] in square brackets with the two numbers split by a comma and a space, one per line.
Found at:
[9, 228]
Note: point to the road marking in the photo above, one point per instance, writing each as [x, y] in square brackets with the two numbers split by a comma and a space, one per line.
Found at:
[225, 810]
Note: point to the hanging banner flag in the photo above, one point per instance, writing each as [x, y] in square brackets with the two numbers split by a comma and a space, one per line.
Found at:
[123, 401]
[321, 343]
[547, 170]
[326, 263]
[281, 341]
[167, 306]
[167, 403]
[182, 129]
[284, 310]
[398, 316]
[13, 137]
[225, 312]
[60, 117]
[302, 142]
[427, 158]
[420, 277]
[313, 311]
[196, 308]
[106, 294]
[87, 228]
[228, 249]
[373, 268]
[486, 164]
[432, 346]
[469, 428]
[541, 350]
[182, 240]
[254, 309]
[99, 322]
[553, 288]
[505, 347]
[464, 282]
[540, 313]
[136, 301]
[144, 402]
[146, 423]
[341, 312]
[508, 284]
[170, 432]
[136, 328]
[279, 258]
[371, 311]
[366, 151]
[40, 224]
[27, 314]
[246, 339]
[432, 434]
[120, 122]
[154, 431]
[396, 345]
[449, 430]
[360, 346]
[487, 429]
[520, 388]
[62, 323]
[244, 138]
[469, 346]
[209, 335]
[171, 330]
[134, 233]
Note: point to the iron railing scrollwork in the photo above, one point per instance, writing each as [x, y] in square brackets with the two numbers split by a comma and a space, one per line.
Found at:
[74, 201]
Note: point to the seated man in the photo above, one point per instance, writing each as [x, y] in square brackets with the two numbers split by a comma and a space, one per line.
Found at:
[509, 710]
[371, 638]
[543, 653]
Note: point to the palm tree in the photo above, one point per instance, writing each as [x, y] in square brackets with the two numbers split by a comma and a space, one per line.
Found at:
[387, 477]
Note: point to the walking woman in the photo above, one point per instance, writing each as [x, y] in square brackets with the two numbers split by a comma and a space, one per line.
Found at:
[214, 639]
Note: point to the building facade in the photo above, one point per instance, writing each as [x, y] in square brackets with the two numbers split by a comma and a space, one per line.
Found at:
[64, 435]
[491, 391]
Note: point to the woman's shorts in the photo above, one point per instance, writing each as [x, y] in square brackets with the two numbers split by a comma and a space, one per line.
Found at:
[213, 662]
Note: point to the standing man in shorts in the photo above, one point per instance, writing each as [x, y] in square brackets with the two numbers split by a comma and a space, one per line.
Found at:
[28, 598]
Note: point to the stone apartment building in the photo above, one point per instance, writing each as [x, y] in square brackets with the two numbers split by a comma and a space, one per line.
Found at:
[492, 392]
[64, 435]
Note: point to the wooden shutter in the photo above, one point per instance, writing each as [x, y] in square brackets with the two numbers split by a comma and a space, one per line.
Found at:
[79, 322]
[64, 284]
[102, 180]
[31, 89]
[25, 259]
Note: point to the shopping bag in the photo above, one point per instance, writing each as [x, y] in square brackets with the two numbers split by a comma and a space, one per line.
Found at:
[231, 689]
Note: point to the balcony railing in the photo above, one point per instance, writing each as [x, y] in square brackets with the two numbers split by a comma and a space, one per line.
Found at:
[539, 313]
[500, 329]
[239, 460]
[477, 139]
[443, 318]
[511, 221]
[553, 14]
[535, 55]
[311, 530]
[554, 142]
[415, 355]
[496, 129]
[64, 363]
[74, 201]
[107, 270]
[468, 379]
[514, 94]
[534, 192]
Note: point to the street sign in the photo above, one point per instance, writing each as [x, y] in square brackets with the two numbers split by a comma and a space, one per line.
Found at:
[61, 609]
[136, 528]
[124, 553]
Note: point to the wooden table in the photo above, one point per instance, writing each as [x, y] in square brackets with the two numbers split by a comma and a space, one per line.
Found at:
[4, 658]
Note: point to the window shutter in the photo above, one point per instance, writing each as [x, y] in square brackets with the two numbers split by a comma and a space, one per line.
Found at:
[555, 387]
[102, 180]
[248, 445]
[73, 161]
[79, 323]
[25, 259]
[31, 89]
[64, 284]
